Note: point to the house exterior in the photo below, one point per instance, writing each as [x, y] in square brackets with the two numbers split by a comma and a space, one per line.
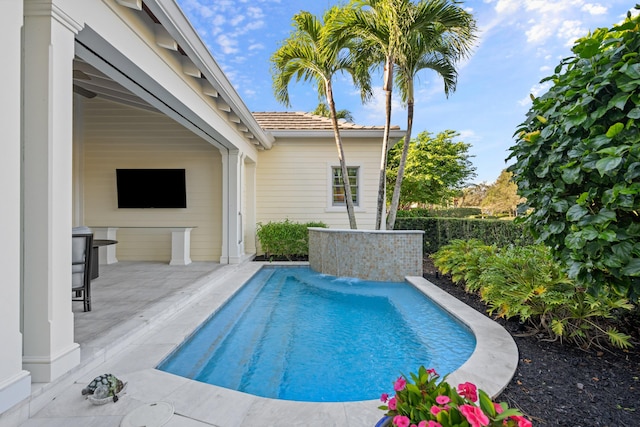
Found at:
[91, 86]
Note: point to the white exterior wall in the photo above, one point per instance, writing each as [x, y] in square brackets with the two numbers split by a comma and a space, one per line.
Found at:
[294, 181]
[120, 137]
[15, 384]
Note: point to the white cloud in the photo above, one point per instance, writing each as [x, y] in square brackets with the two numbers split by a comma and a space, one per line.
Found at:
[236, 20]
[256, 46]
[569, 31]
[227, 44]
[594, 9]
[540, 32]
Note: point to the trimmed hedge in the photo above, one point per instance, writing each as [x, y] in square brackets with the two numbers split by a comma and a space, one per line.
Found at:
[285, 239]
[439, 213]
[441, 231]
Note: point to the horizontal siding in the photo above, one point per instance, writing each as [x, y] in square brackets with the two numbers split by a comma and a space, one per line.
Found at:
[293, 181]
[120, 137]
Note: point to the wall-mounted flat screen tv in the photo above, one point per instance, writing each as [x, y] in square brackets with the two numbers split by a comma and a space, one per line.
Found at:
[151, 188]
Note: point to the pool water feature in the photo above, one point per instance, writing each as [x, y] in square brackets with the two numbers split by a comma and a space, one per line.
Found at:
[290, 333]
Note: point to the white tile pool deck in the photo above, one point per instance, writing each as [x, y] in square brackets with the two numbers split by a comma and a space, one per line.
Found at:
[142, 311]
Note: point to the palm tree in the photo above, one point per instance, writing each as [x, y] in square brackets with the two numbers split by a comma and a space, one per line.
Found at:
[323, 110]
[310, 54]
[438, 52]
[384, 29]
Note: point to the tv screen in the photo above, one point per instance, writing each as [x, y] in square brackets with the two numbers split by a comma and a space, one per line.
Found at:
[151, 188]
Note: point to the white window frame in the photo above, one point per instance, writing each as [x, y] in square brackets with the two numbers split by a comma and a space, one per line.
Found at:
[337, 208]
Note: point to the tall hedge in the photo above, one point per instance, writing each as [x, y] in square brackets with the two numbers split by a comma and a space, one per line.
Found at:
[577, 161]
[441, 231]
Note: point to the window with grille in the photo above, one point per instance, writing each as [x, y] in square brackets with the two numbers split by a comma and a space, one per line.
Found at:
[338, 186]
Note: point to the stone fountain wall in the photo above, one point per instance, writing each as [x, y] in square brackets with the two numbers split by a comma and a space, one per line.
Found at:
[366, 254]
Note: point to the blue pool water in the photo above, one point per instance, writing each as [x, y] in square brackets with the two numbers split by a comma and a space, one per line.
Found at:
[291, 333]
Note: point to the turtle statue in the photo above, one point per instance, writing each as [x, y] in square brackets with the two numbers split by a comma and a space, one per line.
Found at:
[104, 386]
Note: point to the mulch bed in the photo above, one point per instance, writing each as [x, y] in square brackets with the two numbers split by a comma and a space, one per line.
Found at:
[560, 385]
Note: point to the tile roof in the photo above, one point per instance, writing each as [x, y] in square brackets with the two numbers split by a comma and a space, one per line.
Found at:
[286, 120]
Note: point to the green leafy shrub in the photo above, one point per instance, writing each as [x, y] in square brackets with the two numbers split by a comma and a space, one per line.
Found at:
[463, 260]
[285, 239]
[441, 231]
[528, 284]
[577, 161]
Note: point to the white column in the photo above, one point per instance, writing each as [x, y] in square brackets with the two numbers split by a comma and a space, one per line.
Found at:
[49, 350]
[15, 383]
[224, 258]
[250, 208]
[233, 246]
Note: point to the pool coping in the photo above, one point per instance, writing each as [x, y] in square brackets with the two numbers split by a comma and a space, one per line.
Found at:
[165, 326]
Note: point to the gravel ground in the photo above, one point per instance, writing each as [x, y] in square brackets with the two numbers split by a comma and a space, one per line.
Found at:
[560, 385]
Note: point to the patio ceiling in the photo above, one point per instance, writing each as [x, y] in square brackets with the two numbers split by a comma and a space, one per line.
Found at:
[89, 82]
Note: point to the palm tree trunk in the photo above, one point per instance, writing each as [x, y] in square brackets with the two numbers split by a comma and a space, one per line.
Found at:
[382, 183]
[343, 165]
[395, 199]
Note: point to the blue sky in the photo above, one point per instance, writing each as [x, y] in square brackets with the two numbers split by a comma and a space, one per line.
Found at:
[520, 42]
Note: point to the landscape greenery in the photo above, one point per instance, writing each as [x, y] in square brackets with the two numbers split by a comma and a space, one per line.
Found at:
[526, 282]
[577, 162]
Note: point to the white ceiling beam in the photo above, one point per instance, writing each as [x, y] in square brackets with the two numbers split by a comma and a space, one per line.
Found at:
[233, 117]
[164, 39]
[222, 105]
[207, 89]
[132, 4]
[189, 68]
[242, 128]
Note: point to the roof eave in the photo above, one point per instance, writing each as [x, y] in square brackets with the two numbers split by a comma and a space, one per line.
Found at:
[394, 134]
[180, 28]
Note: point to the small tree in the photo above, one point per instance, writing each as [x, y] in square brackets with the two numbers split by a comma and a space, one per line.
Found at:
[436, 168]
[311, 53]
[502, 195]
[578, 161]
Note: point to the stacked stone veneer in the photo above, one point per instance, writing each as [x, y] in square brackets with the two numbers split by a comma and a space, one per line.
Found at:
[366, 254]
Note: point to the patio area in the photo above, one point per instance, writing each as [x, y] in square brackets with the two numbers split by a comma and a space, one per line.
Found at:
[140, 312]
[143, 310]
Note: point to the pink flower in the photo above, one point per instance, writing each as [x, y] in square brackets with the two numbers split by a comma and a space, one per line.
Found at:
[401, 421]
[499, 409]
[431, 424]
[393, 404]
[422, 424]
[443, 400]
[435, 409]
[384, 397]
[522, 421]
[432, 372]
[468, 391]
[474, 415]
[399, 384]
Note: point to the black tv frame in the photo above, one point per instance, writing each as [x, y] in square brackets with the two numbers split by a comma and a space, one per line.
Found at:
[151, 188]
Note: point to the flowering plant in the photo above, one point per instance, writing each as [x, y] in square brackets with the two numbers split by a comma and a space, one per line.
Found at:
[431, 402]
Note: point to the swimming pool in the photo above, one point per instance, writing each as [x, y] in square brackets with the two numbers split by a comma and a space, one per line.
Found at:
[293, 334]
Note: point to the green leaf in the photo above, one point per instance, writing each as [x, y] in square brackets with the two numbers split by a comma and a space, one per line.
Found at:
[576, 212]
[634, 114]
[632, 268]
[615, 129]
[619, 100]
[608, 235]
[608, 164]
[632, 70]
[571, 175]
[556, 227]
